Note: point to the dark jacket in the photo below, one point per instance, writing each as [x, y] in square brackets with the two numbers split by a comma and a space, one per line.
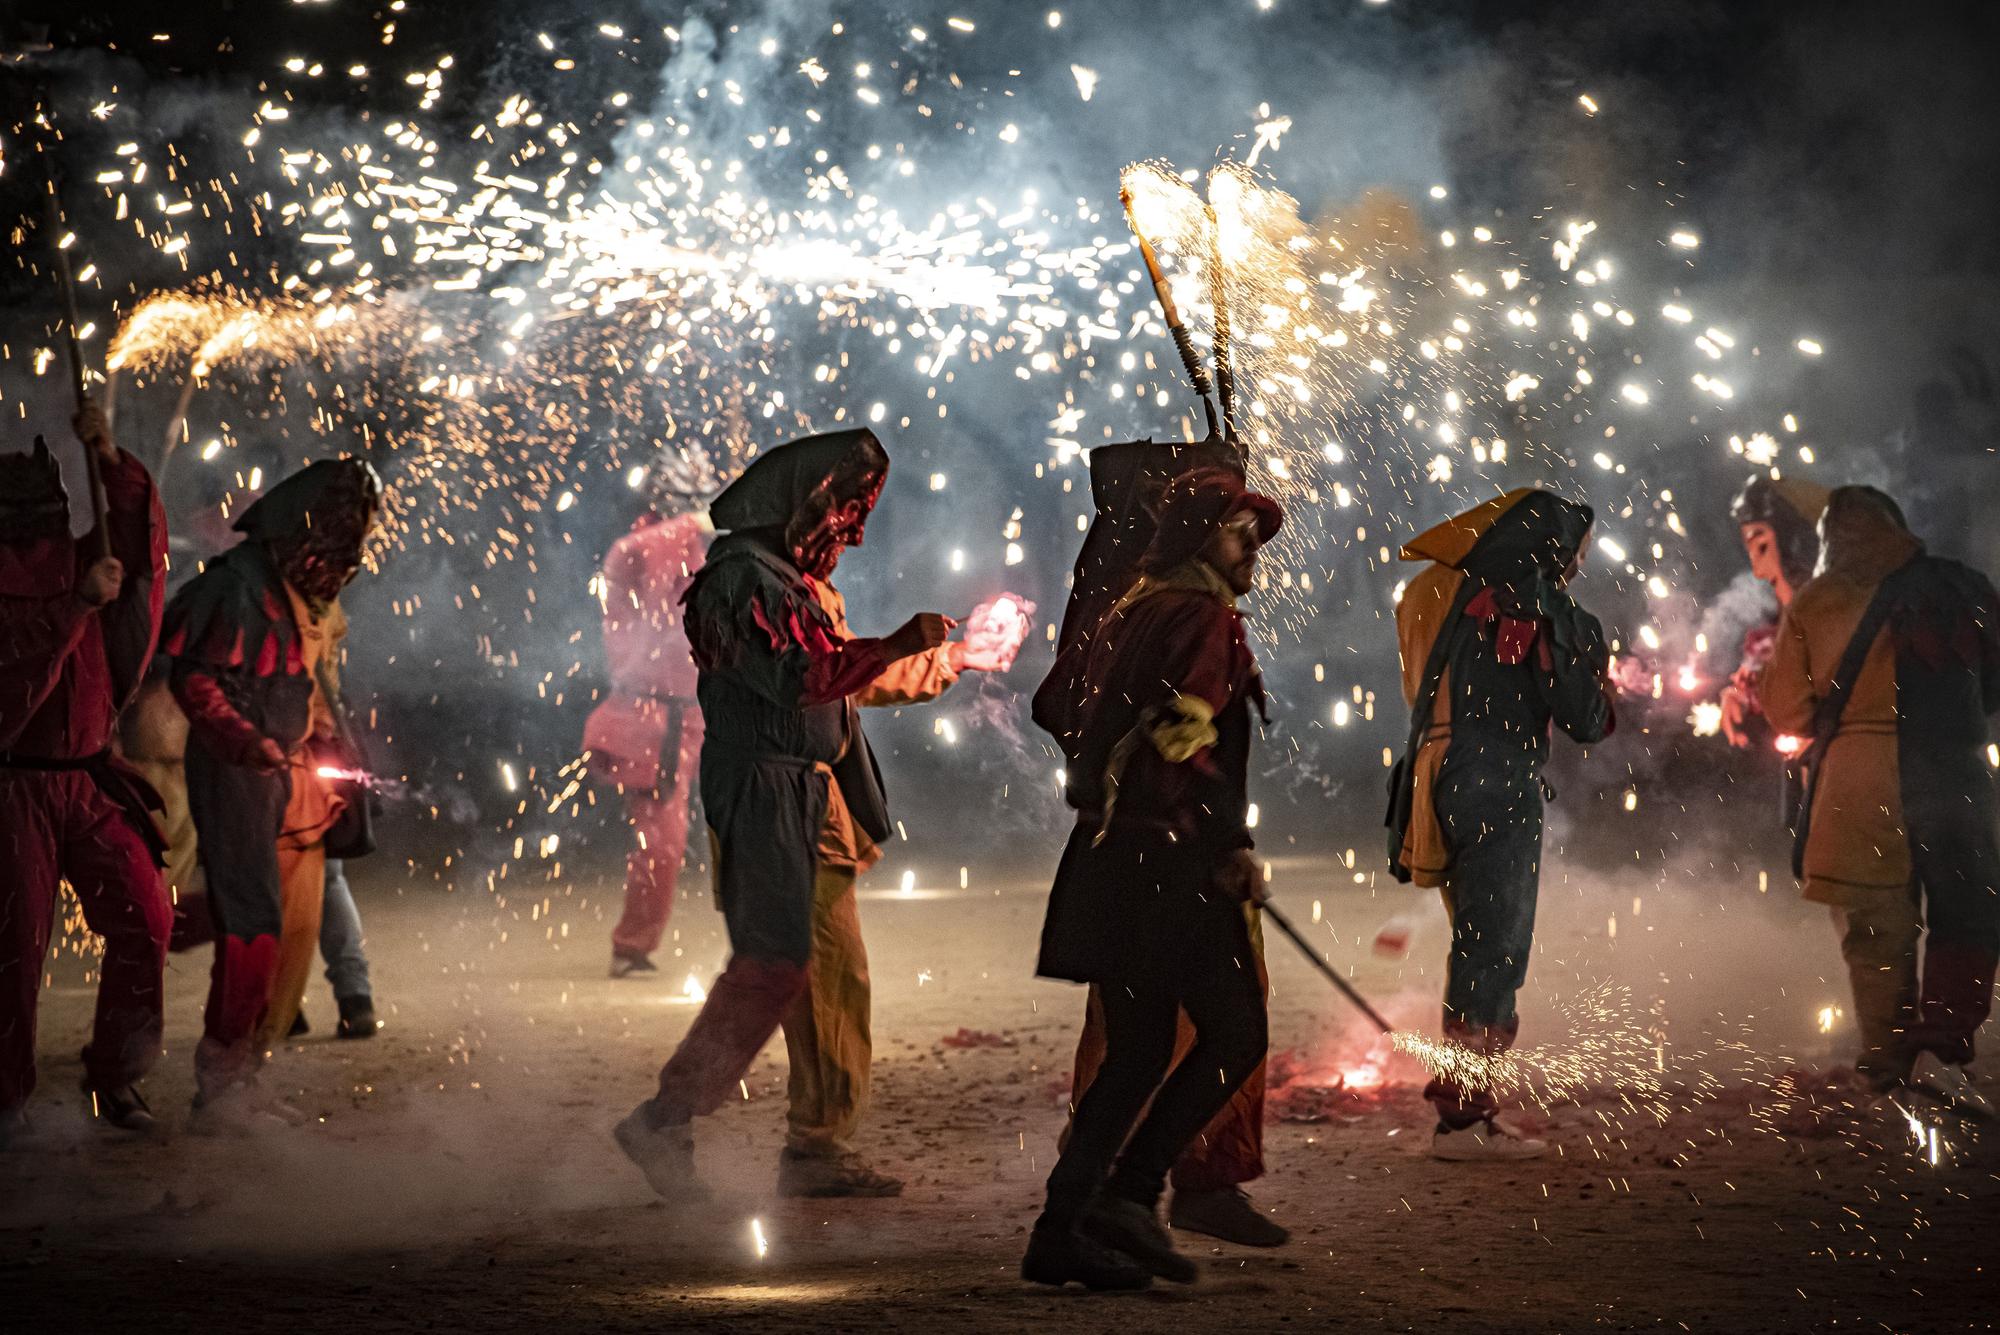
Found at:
[1160, 775]
[775, 674]
[1518, 654]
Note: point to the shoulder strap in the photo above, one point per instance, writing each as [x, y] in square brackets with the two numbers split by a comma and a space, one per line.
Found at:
[1832, 705]
[1826, 716]
[1434, 664]
[1402, 779]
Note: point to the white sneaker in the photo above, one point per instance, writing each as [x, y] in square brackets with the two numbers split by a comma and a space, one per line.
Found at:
[1484, 1142]
[664, 1154]
[1950, 1085]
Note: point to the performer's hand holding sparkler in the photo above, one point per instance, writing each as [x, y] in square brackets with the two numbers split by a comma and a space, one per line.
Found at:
[994, 634]
[921, 633]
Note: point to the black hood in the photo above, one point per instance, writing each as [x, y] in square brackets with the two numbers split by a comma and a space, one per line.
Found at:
[775, 487]
[1537, 535]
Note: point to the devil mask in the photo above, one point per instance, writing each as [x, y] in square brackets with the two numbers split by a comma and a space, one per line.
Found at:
[814, 495]
[316, 522]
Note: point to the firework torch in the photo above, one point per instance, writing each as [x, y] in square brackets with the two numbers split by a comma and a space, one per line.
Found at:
[1183, 344]
[1319, 962]
[98, 504]
[1218, 289]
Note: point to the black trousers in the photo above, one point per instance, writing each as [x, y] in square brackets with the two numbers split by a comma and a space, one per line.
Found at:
[1209, 972]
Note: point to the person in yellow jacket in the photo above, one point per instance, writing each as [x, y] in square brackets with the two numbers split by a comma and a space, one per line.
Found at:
[1889, 660]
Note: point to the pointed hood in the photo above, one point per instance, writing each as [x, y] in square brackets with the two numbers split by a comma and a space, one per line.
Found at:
[1863, 535]
[281, 513]
[1524, 532]
[774, 489]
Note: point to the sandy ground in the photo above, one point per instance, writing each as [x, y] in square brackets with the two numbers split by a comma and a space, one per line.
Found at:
[458, 1173]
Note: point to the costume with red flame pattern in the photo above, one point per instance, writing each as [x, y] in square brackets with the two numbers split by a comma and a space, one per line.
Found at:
[783, 749]
[247, 639]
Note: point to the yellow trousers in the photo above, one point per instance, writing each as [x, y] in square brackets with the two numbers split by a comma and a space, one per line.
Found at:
[302, 894]
[827, 1029]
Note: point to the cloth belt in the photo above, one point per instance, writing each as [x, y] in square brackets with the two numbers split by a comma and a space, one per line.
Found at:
[121, 785]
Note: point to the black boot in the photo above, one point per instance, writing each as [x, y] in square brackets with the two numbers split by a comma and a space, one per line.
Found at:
[299, 1027]
[357, 1017]
[124, 1107]
[1126, 1226]
[1060, 1256]
[1227, 1214]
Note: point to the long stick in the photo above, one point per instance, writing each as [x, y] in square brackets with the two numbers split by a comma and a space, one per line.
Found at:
[1218, 295]
[1319, 962]
[1183, 344]
[98, 504]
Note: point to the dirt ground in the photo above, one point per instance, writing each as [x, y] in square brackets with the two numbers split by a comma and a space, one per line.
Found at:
[458, 1172]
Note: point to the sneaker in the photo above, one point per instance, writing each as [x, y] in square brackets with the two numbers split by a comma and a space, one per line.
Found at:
[1227, 1214]
[357, 1018]
[817, 1175]
[299, 1027]
[1950, 1085]
[664, 1154]
[1484, 1142]
[125, 1108]
[1064, 1256]
[1129, 1227]
[625, 963]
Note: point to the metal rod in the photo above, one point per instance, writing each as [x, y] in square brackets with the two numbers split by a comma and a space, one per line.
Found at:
[1319, 962]
[1183, 344]
[98, 504]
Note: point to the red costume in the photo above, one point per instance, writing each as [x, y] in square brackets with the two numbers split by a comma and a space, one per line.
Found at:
[68, 811]
[646, 735]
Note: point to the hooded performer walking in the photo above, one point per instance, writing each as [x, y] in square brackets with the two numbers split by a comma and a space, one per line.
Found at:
[1889, 660]
[76, 631]
[1148, 902]
[784, 762]
[248, 638]
[1493, 651]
